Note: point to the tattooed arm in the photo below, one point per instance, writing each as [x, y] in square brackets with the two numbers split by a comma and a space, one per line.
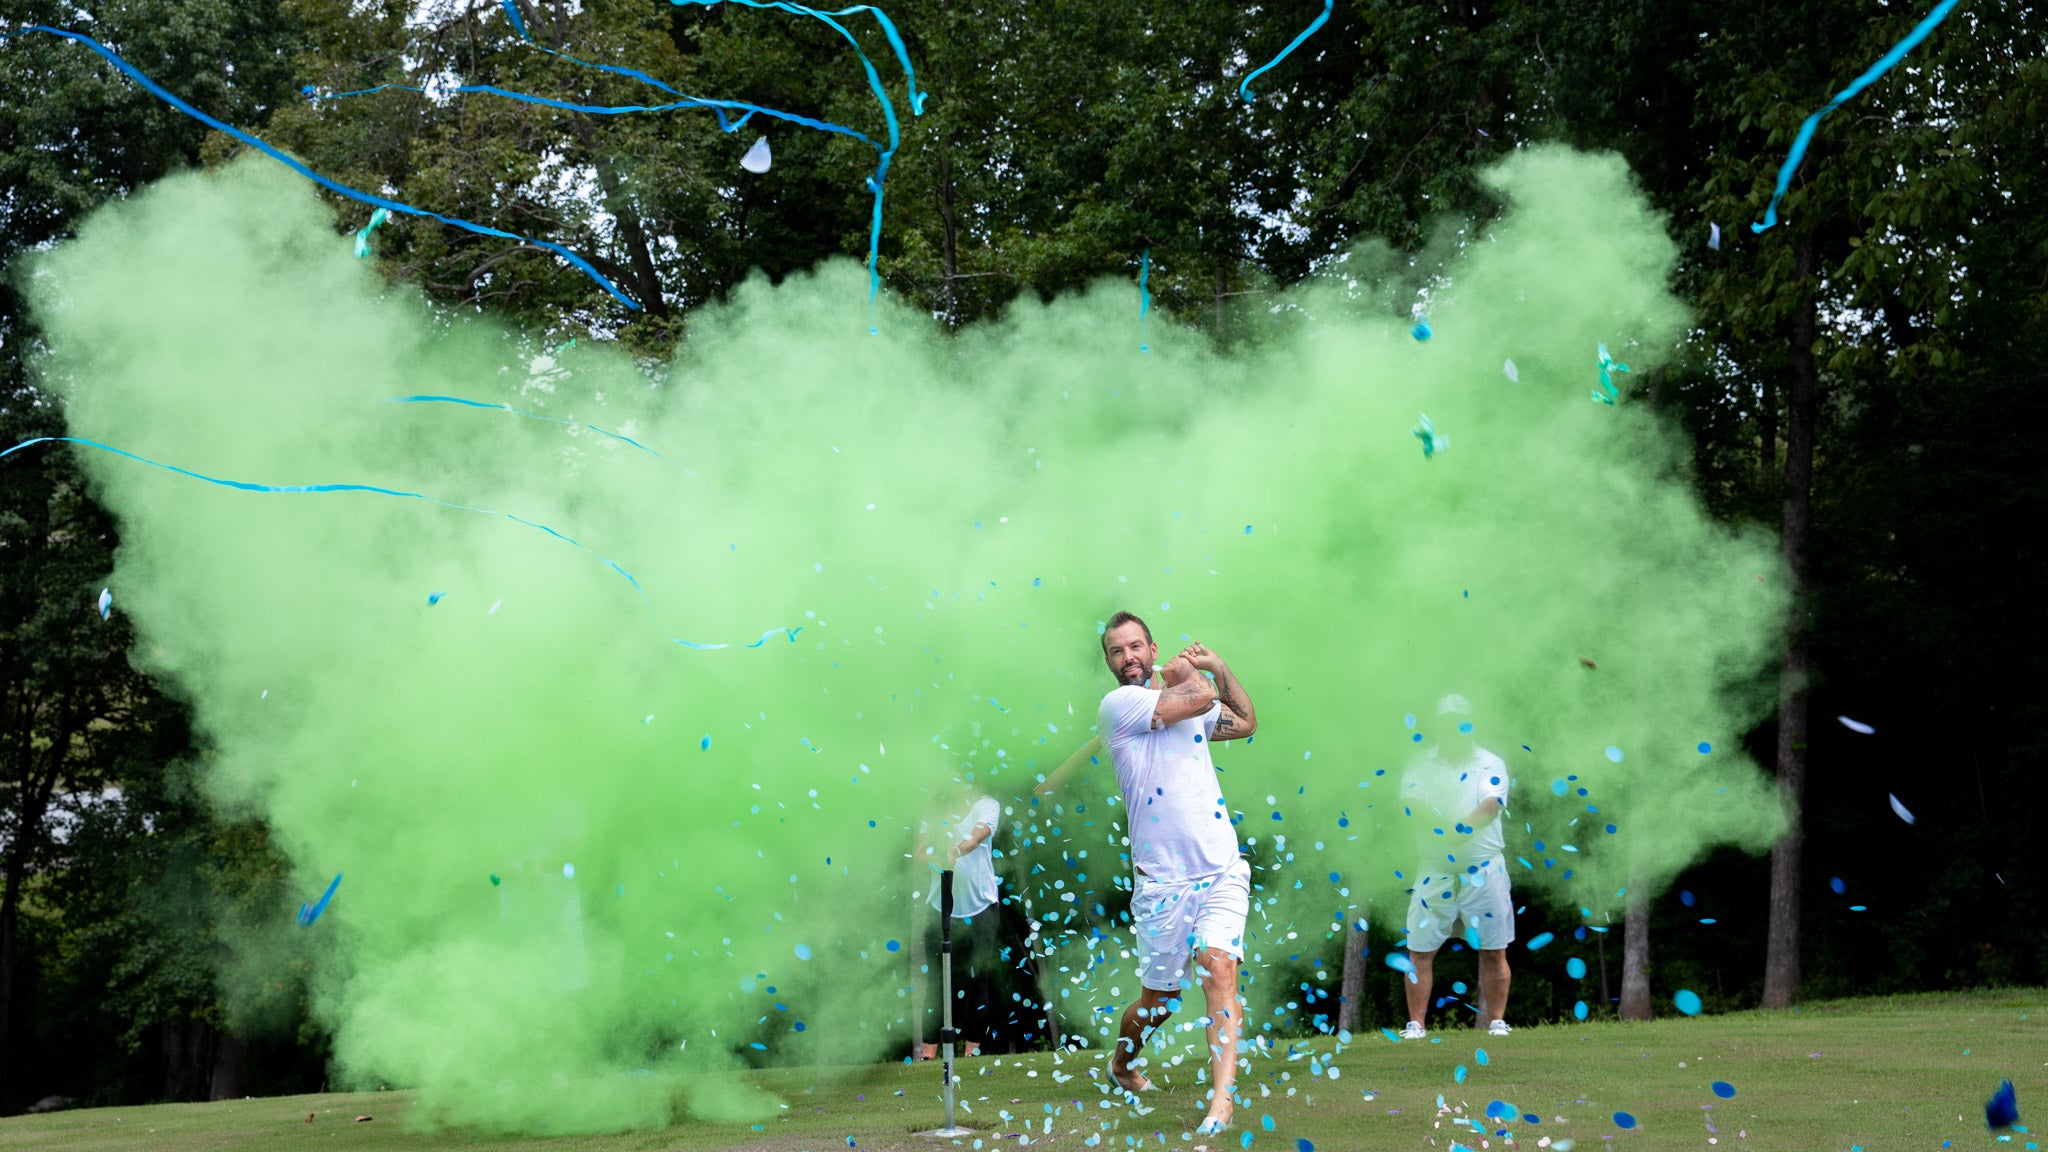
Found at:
[1187, 694]
[1238, 720]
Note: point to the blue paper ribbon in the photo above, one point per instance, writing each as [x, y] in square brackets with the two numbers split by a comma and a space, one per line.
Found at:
[311, 912]
[467, 403]
[1244, 87]
[1883, 65]
[157, 90]
[375, 490]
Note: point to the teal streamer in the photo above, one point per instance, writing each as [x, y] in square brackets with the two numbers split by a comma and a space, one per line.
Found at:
[888, 155]
[1870, 74]
[1144, 296]
[311, 912]
[1244, 87]
[399, 493]
[363, 237]
[157, 90]
[1607, 393]
[721, 107]
[467, 403]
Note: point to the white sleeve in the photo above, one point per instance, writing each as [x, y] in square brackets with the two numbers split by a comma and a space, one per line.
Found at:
[1493, 780]
[1127, 712]
[986, 812]
[1210, 718]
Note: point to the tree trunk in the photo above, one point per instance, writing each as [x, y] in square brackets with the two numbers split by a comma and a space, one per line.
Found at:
[230, 1077]
[10, 920]
[639, 254]
[1781, 955]
[952, 250]
[185, 1058]
[1635, 961]
[1606, 997]
[1351, 984]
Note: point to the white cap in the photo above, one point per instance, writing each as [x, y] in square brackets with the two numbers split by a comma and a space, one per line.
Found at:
[1453, 705]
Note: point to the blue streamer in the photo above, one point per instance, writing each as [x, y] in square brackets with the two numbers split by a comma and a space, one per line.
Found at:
[1244, 87]
[1883, 65]
[306, 489]
[1144, 296]
[917, 99]
[311, 912]
[157, 90]
[466, 403]
[720, 107]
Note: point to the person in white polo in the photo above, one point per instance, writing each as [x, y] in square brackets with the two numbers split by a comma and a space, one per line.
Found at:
[1191, 886]
[1456, 793]
[964, 844]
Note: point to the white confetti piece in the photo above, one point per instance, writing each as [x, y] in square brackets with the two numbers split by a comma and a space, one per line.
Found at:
[758, 158]
[1856, 726]
[1899, 808]
[1513, 373]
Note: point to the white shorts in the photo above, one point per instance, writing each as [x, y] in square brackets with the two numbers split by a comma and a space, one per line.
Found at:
[1481, 897]
[1174, 920]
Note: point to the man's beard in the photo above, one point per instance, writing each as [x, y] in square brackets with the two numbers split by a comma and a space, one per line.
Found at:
[1129, 676]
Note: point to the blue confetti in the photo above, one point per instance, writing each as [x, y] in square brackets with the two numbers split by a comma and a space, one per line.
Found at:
[893, 946]
[363, 238]
[1539, 940]
[705, 743]
[1579, 1010]
[1606, 393]
[1458, 1074]
[1575, 968]
[1723, 1089]
[1426, 432]
[1480, 1055]
[106, 603]
[157, 90]
[1244, 87]
[1805, 137]
[311, 912]
[1685, 897]
[2003, 1109]
[434, 598]
[1422, 330]
[1688, 1001]
[1614, 754]
[803, 951]
[1624, 1120]
[1705, 747]
[1836, 884]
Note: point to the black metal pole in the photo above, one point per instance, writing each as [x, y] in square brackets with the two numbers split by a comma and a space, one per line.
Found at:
[946, 1033]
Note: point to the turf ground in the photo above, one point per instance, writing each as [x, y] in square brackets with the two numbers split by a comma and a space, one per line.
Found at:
[1876, 1074]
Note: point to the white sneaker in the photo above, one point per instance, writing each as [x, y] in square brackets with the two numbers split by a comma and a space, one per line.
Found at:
[1414, 1031]
[1498, 1028]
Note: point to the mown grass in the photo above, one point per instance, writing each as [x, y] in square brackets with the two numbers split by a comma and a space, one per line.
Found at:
[1885, 1073]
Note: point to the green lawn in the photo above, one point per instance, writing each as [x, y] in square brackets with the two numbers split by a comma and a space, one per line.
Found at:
[1882, 1074]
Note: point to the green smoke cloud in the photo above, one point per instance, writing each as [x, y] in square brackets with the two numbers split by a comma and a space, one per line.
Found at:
[559, 904]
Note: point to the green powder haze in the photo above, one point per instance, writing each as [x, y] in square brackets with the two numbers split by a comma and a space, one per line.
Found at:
[947, 519]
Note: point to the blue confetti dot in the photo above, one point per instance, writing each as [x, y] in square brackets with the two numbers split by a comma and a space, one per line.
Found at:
[1685, 897]
[1575, 968]
[1417, 737]
[1303, 1144]
[1705, 747]
[1723, 1089]
[1837, 885]
[1540, 940]
[1614, 753]
[1558, 788]
[1247, 529]
[1465, 727]
[799, 1025]
[803, 951]
[1688, 1001]
[1611, 829]
[1480, 1055]
[1266, 1122]
[705, 743]
[1579, 1010]
[1421, 331]
[1624, 1120]
[893, 946]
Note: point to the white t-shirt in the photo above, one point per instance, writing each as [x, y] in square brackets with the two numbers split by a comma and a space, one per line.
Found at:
[1180, 827]
[1438, 794]
[974, 875]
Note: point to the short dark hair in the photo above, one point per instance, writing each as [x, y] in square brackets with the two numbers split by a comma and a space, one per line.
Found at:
[1119, 620]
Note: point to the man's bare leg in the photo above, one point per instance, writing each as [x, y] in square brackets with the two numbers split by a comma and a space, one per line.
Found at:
[1425, 980]
[1140, 1020]
[1493, 978]
[1218, 970]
